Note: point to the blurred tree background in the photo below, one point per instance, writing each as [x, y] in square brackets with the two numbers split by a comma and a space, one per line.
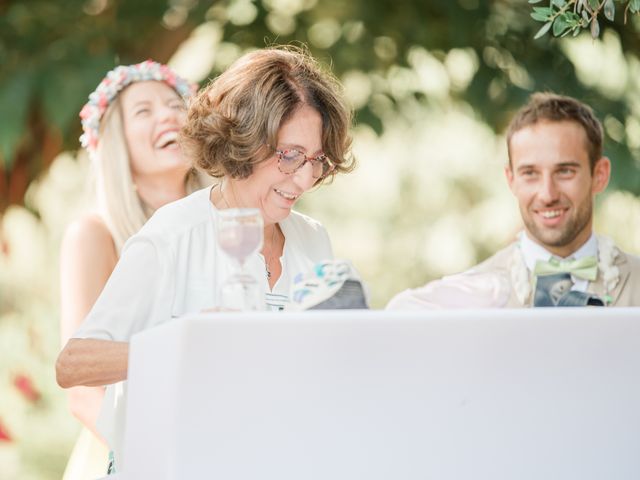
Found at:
[433, 84]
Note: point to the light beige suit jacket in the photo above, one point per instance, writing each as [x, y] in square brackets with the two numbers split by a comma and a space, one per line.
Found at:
[625, 294]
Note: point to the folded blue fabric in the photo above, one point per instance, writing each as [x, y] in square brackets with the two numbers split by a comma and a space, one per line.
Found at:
[330, 285]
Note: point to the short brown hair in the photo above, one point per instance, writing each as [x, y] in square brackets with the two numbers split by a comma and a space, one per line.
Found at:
[558, 108]
[233, 122]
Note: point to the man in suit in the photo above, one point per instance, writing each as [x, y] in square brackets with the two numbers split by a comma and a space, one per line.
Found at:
[555, 170]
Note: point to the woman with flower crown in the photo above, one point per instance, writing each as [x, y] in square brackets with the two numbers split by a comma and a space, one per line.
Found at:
[271, 127]
[130, 125]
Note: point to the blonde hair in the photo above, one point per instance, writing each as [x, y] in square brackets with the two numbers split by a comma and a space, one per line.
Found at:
[233, 123]
[119, 205]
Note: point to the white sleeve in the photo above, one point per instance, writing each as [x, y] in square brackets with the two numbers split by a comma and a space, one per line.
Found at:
[463, 290]
[137, 295]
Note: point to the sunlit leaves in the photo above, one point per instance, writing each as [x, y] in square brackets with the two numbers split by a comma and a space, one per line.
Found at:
[545, 28]
[542, 14]
[609, 10]
[53, 54]
[562, 17]
[72, 44]
[595, 28]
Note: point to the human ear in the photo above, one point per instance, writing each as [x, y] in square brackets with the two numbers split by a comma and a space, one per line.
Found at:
[508, 172]
[601, 175]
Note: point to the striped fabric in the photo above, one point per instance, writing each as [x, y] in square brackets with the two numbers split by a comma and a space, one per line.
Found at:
[276, 301]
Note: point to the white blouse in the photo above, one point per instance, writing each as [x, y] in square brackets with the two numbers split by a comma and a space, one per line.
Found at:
[174, 266]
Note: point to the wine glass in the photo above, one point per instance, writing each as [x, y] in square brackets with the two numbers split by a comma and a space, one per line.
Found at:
[240, 234]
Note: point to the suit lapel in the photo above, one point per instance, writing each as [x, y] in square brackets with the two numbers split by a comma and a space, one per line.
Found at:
[518, 274]
[625, 271]
[598, 287]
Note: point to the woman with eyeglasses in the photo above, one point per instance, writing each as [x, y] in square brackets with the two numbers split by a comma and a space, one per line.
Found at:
[271, 127]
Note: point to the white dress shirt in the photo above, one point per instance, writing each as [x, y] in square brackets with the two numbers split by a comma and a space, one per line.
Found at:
[533, 252]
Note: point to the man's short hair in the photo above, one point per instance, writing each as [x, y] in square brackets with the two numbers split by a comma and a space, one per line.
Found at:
[557, 108]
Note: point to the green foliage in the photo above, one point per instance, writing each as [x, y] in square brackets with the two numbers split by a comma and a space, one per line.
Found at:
[54, 53]
[572, 16]
[14, 99]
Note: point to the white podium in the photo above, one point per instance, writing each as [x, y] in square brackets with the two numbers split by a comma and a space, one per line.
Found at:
[349, 395]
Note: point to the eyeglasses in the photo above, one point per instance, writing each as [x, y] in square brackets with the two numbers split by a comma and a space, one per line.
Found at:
[290, 161]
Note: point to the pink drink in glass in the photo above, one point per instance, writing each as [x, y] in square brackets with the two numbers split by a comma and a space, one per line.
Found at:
[240, 240]
[239, 234]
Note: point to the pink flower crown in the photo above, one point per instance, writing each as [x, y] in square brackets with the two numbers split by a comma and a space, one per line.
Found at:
[114, 82]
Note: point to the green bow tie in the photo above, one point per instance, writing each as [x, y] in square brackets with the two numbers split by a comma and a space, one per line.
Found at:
[585, 267]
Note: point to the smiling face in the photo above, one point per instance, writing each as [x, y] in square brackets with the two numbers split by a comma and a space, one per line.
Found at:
[152, 114]
[554, 185]
[267, 188]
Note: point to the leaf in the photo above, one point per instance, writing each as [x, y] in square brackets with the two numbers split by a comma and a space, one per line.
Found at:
[595, 28]
[543, 10]
[535, 1]
[559, 3]
[568, 31]
[609, 10]
[559, 26]
[15, 98]
[545, 28]
[634, 6]
[572, 18]
[539, 17]
[541, 14]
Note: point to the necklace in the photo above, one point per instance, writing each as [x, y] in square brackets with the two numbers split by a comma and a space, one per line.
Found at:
[222, 195]
[267, 259]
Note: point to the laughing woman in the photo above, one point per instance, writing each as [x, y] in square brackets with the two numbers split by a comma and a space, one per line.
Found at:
[130, 124]
[271, 127]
